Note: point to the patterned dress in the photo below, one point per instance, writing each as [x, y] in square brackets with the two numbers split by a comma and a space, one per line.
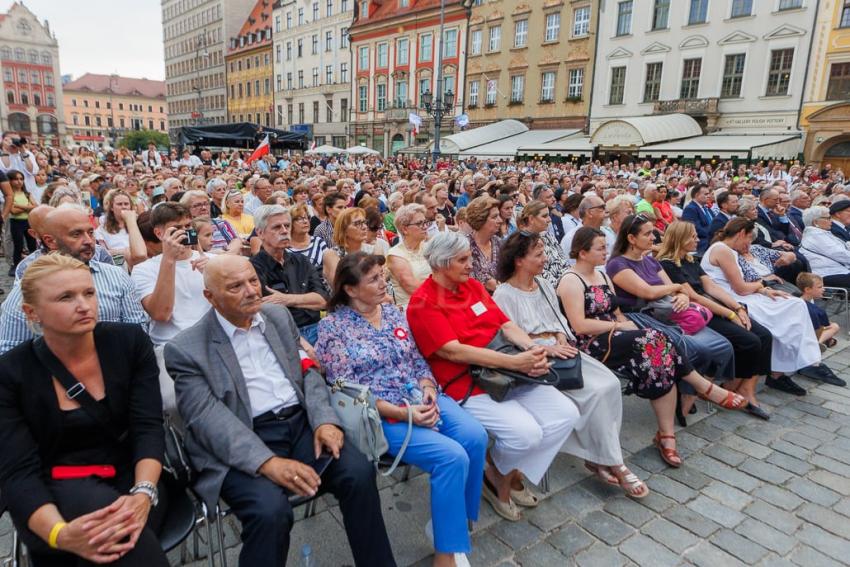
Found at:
[484, 268]
[646, 356]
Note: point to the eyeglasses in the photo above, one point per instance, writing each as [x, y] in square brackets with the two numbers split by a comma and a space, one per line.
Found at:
[359, 223]
[420, 224]
[299, 219]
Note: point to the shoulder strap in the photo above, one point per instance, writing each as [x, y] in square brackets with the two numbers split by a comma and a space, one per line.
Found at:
[221, 230]
[557, 314]
[74, 389]
[581, 279]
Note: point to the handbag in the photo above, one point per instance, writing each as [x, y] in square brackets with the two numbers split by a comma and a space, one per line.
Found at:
[660, 309]
[356, 409]
[693, 319]
[498, 382]
[568, 370]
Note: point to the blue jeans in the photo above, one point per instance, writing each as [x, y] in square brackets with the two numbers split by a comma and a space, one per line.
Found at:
[310, 332]
[454, 457]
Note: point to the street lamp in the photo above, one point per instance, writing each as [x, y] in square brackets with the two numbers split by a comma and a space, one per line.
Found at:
[200, 51]
[443, 103]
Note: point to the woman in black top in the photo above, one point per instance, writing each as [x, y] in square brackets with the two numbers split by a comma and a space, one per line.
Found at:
[90, 457]
[751, 342]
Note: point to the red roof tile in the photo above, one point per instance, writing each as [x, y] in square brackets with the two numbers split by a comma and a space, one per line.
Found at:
[118, 85]
[258, 20]
[387, 9]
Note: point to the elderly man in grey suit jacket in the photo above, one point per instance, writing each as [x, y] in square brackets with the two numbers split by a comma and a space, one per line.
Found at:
[261, 428]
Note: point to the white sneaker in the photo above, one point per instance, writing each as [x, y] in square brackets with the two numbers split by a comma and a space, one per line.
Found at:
[461, 560]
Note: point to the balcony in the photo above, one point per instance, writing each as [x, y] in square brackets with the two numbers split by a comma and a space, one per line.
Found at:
[399, 110]
[705, 107]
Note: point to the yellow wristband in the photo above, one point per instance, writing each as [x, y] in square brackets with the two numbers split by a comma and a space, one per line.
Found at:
[54, 534]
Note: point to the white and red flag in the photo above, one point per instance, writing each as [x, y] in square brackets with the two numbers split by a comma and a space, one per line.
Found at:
[262, 150]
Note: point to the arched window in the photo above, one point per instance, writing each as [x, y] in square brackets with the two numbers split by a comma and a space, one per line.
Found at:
[46, 59]
[46, 124]
[6, 53]
[10, 97]
[20, 54]
[50, 100]
[25, 98]
[36, 99]
[19, 122]
[33, 56]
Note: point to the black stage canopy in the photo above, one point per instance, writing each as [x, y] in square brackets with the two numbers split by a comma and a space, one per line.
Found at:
[239, 135]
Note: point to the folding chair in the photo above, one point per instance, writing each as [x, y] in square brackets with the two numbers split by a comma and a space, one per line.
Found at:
[839, 294]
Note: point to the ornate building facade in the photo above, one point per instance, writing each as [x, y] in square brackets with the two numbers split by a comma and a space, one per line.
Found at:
[250, 93]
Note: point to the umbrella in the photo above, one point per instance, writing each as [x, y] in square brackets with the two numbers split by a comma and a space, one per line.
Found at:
[326, 149]
[361, 150]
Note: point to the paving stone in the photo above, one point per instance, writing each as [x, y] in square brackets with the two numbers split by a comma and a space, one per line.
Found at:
[778, 496]
[813, 492]
[831, 465]
[725, 455]
[516, 535]
[834, 452]
[747, 551]
[546, 516]
[815, 432]
[601, 490]
[714, 510]
[826, 519]
[773, 516]
[688, 444]
[629, 511]
[724, 473]
[487, 549]
[570, 539]
[765, 471]
[657, 502]
[707, 431]
[689, 476]
[805, 556]
[766, 536]
[649, 459]
[707, 555]
[728, 495]
[790, 449]
[832, 481]
[691, 521]
[644, 551]
[843, 507]
[838, 407]
[810, 408]
[670, 535]
[540, 555]
[671, 488]
[843, 431]
[755, 450]
[800, 439]
[785, 410]
[825, 542]
[606, 527]
[821, 423]
[600, 554]
[789, 463]
[773, 560]
[758, 433]
[576, 501]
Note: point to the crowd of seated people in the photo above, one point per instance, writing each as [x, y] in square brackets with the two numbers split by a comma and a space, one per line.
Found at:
[233, 294]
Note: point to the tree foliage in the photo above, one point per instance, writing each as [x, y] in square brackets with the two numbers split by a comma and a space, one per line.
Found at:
[137, 140]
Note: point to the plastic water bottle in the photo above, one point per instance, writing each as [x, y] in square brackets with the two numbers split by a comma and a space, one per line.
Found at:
[414, 396]
[307, 559]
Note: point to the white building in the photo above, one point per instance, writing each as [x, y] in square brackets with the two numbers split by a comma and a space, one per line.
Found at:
[736, 66]
[312, 65]
[195, 34]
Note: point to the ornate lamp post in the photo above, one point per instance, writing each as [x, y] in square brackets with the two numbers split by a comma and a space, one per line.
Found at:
[443, 103]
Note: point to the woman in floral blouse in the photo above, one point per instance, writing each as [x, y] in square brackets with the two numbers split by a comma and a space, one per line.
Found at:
[366, 341]
[483, 216]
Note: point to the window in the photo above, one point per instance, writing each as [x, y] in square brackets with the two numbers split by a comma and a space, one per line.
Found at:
[5, 53]
[289, 51]
[698, 13]
[329, 111]
[690, 78]
[22, 76]
[425, 47]
[553, 26]
[790, 4]
[315, 112]
[315, 76]
[343, 38]
[35, 78]
[402, 51]
[517, 88]
[315, 11]
[363, 92]
[329, 74]
[364, 9]
[343, 8]
[381, 97]
[618, 85]
[424, 86]
[315, 42]
[248, 89]
[652, 85]
[289, 26]
[301, 113]
[733, 75]
[520, 33]
[277, 24]
[329, 11]
[20, 54]
[581, 21]
[576, 83]
[46, 59]
[363, 58]
[661, 15]
[845, 15]
[779, 75]
[277, 52]
[7, 75]
[491, 93]
[343, 72]
[289, 81]
[10, 98]
[450, 43]
[329, 41]
[289, 114]
[624, 17]
[475, 44]
[300, 16]
[383, 55]
[547, 87]
[742, 8]
[401, 93]
[98, 122]
[300, 47]
[839, 82]
[300, 78]
[48, 79]
[448, 84]
[495, 38]
[473, 92]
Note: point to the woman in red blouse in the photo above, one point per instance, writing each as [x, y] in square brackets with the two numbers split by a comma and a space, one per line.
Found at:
[453, 318]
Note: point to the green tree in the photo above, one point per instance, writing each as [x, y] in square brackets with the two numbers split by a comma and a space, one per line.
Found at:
[137, 140]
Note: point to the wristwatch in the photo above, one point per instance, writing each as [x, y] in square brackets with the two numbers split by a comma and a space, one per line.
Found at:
[148, 489]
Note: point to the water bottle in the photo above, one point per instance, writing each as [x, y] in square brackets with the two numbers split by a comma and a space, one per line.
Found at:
[414, 396]
[307, 559]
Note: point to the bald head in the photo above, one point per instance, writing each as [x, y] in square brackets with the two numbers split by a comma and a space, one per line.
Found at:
[38, 218]
[221, 265]
[233, 288]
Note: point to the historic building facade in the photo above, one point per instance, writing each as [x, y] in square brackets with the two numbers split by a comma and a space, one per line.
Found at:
[395, 46]
[250, 92]
[313, 68]
[29, 60]
[531, 61]
[100, 109]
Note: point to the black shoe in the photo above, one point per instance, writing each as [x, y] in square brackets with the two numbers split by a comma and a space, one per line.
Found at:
[822, 373]
[785, 384]
[757, 411]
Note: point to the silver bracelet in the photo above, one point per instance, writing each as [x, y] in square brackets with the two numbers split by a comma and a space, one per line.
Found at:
[148, 489]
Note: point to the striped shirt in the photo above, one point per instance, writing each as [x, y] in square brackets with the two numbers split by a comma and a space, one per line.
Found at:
[100, 255]
[325, 231]
[117, 301]
[315, 252]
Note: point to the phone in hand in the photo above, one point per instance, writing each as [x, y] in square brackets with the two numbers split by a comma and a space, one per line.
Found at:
[321, 464]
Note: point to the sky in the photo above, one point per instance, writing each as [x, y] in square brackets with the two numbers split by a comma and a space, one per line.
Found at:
[104, 36]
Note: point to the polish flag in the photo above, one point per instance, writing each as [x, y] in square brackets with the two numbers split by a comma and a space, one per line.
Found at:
[262, 150]
[313, 146]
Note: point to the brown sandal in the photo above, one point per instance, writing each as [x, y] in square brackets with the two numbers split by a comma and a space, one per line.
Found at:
[732, 401]
[602, 474]
[667, 454]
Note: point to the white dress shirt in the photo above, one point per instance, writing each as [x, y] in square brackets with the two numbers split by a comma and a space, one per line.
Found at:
[827, 254]
[268, 387]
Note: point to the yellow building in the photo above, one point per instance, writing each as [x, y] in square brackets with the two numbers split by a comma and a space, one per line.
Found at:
[825, 116]
[100, 109]
[250, 93]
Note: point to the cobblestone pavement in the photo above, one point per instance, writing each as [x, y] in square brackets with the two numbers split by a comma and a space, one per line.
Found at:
[750, 492]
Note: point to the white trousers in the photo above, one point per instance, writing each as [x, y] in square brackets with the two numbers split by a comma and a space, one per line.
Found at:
[529, 426]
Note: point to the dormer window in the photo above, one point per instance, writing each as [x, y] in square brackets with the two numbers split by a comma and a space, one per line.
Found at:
[403, 3]
[364, 9]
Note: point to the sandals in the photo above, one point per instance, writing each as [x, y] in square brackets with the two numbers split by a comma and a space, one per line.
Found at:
[602, 474]
[507, 510]
[667, 454]
[732, 401]
[631, 484]
[525, 497]
[830, 343]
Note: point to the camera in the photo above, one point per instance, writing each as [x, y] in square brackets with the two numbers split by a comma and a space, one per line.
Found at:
[19, 142]
[191, 237]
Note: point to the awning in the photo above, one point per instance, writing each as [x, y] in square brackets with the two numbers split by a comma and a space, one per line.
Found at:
[776, 146]
[632, 133]
[579, 146]
[457, 143]
[507, 147]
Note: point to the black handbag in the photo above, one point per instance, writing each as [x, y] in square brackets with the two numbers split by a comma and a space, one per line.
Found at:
[568, 370]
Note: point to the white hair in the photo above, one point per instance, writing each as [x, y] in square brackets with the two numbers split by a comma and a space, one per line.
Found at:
[444, 246]
[215, 183]
[265, 212]
[812, 214]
